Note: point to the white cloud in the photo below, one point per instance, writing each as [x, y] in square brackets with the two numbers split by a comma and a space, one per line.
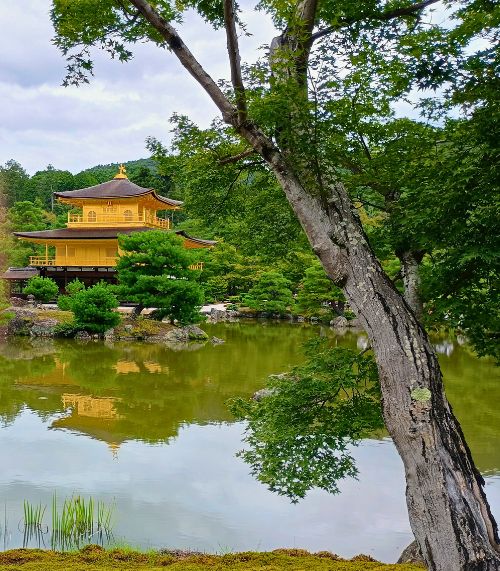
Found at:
[108, 120]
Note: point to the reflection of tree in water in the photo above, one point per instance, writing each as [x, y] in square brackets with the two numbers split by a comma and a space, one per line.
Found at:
[473, 387]
[154, 390]
[15, 395]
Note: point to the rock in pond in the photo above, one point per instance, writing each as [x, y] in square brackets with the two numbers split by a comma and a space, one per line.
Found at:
[195, 333]
[339, 323]
[44, 328]
[185, 334]
[82, 336]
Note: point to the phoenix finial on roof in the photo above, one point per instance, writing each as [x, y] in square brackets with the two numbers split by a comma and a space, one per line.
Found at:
[122, 172]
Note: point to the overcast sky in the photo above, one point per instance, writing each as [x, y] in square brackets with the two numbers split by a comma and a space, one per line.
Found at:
[43, 123]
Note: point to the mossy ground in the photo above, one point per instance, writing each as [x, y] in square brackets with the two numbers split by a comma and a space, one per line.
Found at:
[57, 314]
[141, 328]
[93, 558]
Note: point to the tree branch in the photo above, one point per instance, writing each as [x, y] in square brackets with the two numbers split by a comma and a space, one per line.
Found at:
[302, 202]
[236, 158]
[187, 59]
[233, 51]
[372, 204]
[306, 15]
[384, 16]
[248, 130]
[218, 207]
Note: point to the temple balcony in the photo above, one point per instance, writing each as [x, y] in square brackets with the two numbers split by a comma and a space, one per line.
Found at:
[52, 261]
[98, 220]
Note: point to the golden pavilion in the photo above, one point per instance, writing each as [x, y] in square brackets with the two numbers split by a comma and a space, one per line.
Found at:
[87, 248]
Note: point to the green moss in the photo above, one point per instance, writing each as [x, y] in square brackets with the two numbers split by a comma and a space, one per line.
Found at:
[5, 317]
[61, 316]
[421, 395]
[141, 328]
[95, 558]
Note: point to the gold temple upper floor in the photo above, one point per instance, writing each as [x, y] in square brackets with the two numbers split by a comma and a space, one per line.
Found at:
[126, 218]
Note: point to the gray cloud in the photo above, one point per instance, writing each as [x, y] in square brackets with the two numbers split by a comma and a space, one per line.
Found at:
[108, 120]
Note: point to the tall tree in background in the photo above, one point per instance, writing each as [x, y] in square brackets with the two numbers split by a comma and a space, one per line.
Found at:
[14, 181]
[26, 216]
[288, 124]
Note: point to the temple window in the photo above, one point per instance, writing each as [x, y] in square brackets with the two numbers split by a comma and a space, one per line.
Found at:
[92, 216]
[128, 215]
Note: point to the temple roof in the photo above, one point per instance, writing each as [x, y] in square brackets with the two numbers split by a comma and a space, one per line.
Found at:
[197, 240]
[116, 188]
[99, 233]
[20, 273]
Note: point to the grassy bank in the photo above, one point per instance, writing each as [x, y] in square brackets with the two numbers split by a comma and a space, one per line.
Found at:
[93, 558]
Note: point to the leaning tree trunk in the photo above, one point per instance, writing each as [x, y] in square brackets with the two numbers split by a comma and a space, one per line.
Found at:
[447, 507]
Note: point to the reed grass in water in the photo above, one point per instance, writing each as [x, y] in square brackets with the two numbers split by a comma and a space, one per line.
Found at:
[33, 514]
[74, 523]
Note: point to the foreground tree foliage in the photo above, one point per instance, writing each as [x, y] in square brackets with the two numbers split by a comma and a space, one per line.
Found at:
[331, 57]
[301, 429]
[153, 271]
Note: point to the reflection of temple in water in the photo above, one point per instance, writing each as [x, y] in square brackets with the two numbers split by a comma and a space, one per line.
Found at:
[92, 415]
[147, 393]
[96, 407]
[126, 367]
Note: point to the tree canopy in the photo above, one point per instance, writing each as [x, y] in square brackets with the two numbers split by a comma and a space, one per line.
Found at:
[154, 271]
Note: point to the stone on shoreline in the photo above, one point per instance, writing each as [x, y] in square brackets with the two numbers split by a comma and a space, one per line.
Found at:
[82, 336]
[44, 328]
[411, 554]
[185, 334]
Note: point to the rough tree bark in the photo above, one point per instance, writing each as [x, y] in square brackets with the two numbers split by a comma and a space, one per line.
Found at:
[410, 262]
[448, 510]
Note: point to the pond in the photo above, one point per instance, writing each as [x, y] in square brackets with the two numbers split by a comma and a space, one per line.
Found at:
[147, 428]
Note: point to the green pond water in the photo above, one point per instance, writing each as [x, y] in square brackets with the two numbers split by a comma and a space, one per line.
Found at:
[147, 428]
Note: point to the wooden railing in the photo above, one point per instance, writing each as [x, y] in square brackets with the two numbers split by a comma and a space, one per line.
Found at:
[197, 266]
[42, 261]
[114, 219]
[75, 262]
